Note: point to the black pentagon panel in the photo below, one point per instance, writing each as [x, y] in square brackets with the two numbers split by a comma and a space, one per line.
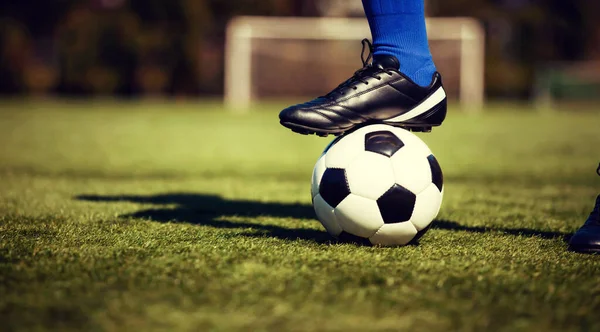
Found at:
[334, 186]
[382, 142]
[397, 204]
[346, 237]
[436, 172]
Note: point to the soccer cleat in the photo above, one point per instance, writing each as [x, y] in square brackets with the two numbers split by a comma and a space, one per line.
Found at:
[587, 238]
[377, 93]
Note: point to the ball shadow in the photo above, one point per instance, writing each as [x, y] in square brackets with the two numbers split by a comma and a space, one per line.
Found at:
[213, 211]
[527, 232]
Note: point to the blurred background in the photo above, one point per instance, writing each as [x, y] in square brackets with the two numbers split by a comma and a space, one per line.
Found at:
[177, 48]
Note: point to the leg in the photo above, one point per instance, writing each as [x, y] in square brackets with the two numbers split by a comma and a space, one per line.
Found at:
[400, 87]
[398, 29]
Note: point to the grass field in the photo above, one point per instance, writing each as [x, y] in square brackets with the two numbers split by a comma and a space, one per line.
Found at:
[157, 216]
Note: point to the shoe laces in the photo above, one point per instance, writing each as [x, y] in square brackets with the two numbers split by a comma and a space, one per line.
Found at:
[368, 70]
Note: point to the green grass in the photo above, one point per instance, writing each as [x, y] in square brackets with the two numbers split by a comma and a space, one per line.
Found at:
[158, 216]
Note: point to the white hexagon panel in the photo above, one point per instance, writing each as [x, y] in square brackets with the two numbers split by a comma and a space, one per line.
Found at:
[370, 175]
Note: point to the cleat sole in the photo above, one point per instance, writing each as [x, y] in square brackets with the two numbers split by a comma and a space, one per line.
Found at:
[585, 250]
[304, 130]
[312, 131]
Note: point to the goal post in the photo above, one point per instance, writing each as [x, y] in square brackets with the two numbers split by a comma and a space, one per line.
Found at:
[246, 33]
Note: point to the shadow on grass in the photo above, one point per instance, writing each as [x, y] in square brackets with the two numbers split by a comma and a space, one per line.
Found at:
[454, 226]
[212, 210]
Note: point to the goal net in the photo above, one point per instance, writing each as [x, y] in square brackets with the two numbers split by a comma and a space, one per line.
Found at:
[289, 58]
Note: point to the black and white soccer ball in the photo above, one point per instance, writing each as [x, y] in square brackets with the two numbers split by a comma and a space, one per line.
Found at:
[377, 185]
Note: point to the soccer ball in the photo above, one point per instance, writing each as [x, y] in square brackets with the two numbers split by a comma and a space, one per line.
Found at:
[377, 185]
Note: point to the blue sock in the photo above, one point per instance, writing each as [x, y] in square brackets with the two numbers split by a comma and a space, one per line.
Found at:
[398, 29]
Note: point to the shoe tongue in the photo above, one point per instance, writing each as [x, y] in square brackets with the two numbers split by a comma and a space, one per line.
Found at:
[384, 61]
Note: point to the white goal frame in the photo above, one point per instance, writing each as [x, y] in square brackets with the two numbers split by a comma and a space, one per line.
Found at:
[242, 30]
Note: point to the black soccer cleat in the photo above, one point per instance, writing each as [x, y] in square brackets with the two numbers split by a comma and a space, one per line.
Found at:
[377, 93]
[587, 238]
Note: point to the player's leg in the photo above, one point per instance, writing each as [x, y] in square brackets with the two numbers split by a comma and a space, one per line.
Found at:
[587, 238]
[400, 87]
